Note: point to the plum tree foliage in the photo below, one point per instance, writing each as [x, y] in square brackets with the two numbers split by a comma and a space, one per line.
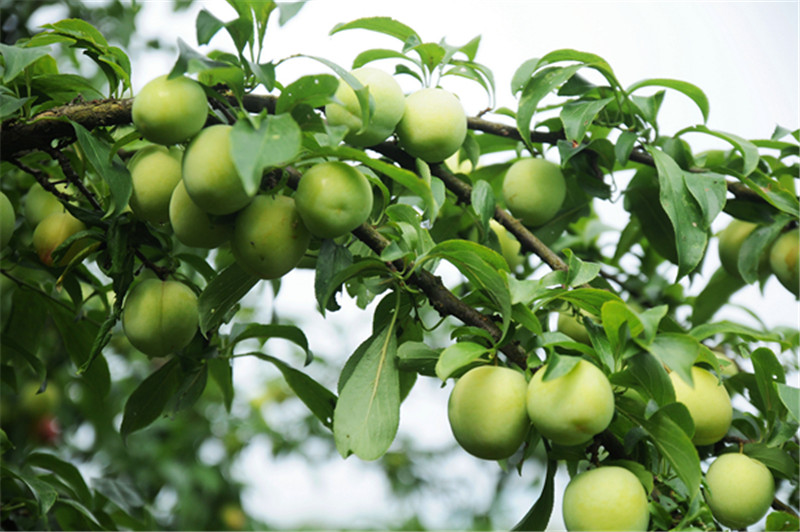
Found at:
[112, 246]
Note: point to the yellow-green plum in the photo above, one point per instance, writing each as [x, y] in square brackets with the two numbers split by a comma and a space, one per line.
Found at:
[170, 111]
[192, 225]
[387, 102]
[571, 408]
[605, 498]
[210, 175]
[333, 198]
[487, 412]
[708, 403]
[39, 204]
[269, 237]
[160, 317]
[568, 324]
[434, 125]
[740, 490]
[155, 171]
[52, 232]
[509, 245]
[730, 244]
[534, 190]
[7, 218]
[783, 260]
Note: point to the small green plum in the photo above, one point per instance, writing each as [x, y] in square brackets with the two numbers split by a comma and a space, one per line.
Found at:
[160, 317]
[571, 408]
[605, 498]
[434, 125]
[51, 232]
[269, 237]
[39, 204]
[534, 190]
[333, 198]
[170, 111]
[155, 171]
[570, 325]
[7, 218]
[740, 490]
[730, 244]
[783, 260]
[509, 245]
[192, 225]
[708, 403]
[487, 412]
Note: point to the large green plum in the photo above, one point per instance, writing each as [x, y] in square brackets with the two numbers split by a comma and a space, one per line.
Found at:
[155, 171]
[388, 105]
[52, 232]
[434, 125]
[708, 403]
[333, 198]
[730, 244]
[170, 111]
[7, 218]
[783, 260]
[534, 190]
[192, 225]
[269, 237]
[160, 317]
[210, 175]
[39, 204]
[487, 412]
[740, 490]
[605, 498]
[573, 407]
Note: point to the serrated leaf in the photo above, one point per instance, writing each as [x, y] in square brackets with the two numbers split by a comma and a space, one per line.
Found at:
[221, 294]
[276, 142]
[458, 356]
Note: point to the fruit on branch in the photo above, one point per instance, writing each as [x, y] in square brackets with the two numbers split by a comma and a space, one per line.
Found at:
[333, 198]
[210, 174]
[740, 490]
[534, 190]
[7, 219]
[192, 225]
[39, 204]
[155, 171]
[730, 244]
[35, 402]
[569, 324]
[487, 412]
[387, 104]
[170, 111]
[51, 232]
[434, 125]
[269, 237]
[509, 245]
[783, 260]
[605, 498]
[573, 407]
[160, 317]
[708, 403]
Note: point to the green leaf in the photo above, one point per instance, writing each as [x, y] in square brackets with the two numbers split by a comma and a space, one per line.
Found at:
[190, 60]
[483, 201]
[276, 142]
[791, 399]
[314, 91]
[690, 90]
[578, 271]
[457, 357]
[148, 400]
[222, 294]
[677, 351]
[222, 373]
[772, 191]
[624, 146]
[361, 268]
[332, 259]
[265, 332]
[17, 59]
[418, 357]
[558, 366]
[78, 29]
[653, 380]
[385, 25]
[720, 287]
[707, 330]
[377, 54]
[43, 492]
[642, 200]
[65, 471]
[778, 460]
[538, 516]
[779, 521]
[768, 373]
[748, 150]
[207, 25]
[708, 190]
[578, 116]
[111, 169]
[539, 86]
[367, 413]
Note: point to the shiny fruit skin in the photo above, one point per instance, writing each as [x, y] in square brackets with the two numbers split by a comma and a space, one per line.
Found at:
[740, 490]
[192, 225]
[155, 171]
[534, 190]
[333, 198]
[386, 96]
[7, 218]
[570, 409]
[160, 317]
[210, 175]
[605, 498]
[52, 232]
[487, 412]
[434, 125]
[269, 237]
[783, 260]
[170, 111]
[708, 402]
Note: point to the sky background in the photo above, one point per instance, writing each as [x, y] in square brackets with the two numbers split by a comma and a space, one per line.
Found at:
[743, 55]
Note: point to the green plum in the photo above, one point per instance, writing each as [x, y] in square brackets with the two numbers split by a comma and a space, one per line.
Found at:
[39, 204]
[7, 219]
[783, 260]
[51, 232]
[434, 125]
[740, 490]
[509, 245]
[708, 403]
[192, 225]
[730, 244]
[155, 171]
[605, 498]
[170, 111]
[534, 190]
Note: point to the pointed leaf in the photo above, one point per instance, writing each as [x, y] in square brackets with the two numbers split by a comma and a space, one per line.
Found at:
[276, 142]
[692, 91]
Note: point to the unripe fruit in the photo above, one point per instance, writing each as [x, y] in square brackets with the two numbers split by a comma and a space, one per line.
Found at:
[389, 105]
[783, 260]
[434, 125]
[333, 198]
[269, 238]
[52, 232]
[155, 171]
[210, 175]
[534, 190]
[605, 498]
[160, 317]
[7, 218]
[169, 111]
[192, 225]
[740, 490]
[509, 245]
[569, 325]
[730, 244]
[572, 408]
[39, 204]
[487, 412]
[708, 402]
